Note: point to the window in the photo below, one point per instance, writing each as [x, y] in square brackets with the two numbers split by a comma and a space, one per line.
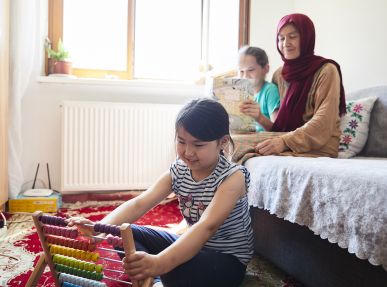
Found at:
[149, 39]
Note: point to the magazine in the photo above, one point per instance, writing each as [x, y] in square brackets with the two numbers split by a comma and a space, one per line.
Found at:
[231, 92]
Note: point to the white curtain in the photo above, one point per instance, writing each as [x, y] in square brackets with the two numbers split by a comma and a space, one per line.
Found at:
[24, 18]
[4, 95]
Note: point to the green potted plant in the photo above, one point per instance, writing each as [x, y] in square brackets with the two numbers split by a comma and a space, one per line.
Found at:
[58, 60]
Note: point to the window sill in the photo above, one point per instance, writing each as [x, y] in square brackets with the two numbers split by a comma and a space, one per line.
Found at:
[137, 90]
[151, 84]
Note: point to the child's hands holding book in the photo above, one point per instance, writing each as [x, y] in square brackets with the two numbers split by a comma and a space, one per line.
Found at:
[251, 108]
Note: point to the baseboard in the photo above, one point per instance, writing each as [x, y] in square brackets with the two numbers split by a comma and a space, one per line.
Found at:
[100, 196]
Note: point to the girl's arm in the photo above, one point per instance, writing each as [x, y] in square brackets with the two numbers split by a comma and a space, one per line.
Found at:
[273, 116]
[133, 209]
[141, 265]
[266, 123]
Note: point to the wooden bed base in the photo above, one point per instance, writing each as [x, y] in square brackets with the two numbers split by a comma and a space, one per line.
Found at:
[313, 261]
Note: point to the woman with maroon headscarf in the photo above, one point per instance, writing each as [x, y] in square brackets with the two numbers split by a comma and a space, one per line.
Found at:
[312, 97]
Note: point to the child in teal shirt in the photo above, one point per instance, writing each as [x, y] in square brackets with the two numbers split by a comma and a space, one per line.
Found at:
[254, 64]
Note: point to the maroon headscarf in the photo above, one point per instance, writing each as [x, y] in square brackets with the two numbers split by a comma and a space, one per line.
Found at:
[299, 73]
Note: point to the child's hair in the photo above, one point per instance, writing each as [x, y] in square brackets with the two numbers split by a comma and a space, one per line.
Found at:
[259, 54]
[205, 119]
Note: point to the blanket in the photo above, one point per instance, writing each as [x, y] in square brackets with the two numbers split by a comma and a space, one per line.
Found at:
[342, 200]
[245, 144]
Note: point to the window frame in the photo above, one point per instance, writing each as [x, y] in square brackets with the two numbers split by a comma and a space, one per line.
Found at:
[55, 32]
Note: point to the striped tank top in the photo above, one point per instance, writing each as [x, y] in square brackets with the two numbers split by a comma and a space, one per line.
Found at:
[235, 235]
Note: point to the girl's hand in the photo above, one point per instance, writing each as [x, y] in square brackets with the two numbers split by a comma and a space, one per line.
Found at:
[271, 146]
[251, 108]
[141, 265]
[80, 222]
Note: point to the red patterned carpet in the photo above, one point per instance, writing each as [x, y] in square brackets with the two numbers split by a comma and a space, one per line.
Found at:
[21, 246]
[23, 243]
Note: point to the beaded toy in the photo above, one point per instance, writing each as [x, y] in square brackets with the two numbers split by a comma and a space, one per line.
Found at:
[72, 261]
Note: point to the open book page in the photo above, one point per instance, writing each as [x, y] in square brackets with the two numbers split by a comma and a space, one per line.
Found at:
[231, 92]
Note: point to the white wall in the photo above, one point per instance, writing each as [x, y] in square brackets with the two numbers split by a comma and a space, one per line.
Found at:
[263, 25]
[351, 32]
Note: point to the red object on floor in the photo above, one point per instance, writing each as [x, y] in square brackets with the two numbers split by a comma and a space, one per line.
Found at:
[161, 215]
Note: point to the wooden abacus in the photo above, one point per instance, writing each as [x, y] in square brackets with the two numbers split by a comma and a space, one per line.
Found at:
[73, 262]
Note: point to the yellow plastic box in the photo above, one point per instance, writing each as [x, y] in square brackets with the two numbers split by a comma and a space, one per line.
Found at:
[31, 204]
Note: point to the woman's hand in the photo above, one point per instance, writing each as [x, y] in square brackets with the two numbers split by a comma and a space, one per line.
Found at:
[271, 146]
[141, 265]
[251, 108]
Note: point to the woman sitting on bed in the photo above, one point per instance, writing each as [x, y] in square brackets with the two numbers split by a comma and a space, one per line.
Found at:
[312, 99]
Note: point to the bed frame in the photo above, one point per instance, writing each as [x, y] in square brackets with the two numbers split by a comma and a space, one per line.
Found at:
[313, 261]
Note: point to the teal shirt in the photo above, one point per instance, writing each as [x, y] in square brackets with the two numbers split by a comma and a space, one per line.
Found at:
[269, 100]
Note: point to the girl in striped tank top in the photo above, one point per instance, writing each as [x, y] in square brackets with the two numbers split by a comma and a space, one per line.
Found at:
[212, 194]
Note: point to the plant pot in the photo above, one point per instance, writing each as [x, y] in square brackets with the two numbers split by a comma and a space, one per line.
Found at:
[50, 66]
[59, 67]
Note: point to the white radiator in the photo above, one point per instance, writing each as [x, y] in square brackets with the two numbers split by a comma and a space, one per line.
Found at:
[115, 146]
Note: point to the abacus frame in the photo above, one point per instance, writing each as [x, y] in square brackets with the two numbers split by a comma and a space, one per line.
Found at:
[46, 259]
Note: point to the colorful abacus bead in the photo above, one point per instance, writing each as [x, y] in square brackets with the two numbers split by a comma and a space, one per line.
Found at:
[75, 263]
[98, 227]
[79, 272]
[68, 284]
[107, 228]
[71, 252]
[72, 243]
[63, 277]
[60, 231]
[52, 220]
[114, 240]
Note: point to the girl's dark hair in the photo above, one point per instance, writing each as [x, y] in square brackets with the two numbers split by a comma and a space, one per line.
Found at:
[205, 119]
[259, 54]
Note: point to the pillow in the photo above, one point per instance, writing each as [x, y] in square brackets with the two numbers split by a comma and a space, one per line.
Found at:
[354, 126]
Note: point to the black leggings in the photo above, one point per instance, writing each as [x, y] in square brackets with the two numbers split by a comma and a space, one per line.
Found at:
[207, 268]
